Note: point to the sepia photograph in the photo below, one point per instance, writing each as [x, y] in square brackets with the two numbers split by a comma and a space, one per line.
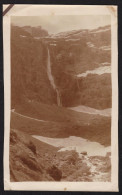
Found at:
[60, 98]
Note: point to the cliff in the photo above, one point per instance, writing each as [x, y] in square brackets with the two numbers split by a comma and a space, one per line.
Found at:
[29, 80]
[74, 53]
[71, 54]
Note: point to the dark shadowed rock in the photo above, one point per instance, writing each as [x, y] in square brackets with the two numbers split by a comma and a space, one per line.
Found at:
[84, 153]
[55, 173]
[32, 147]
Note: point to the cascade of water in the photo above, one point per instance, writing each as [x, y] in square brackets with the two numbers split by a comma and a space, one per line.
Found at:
[51, 79]
[58, 98]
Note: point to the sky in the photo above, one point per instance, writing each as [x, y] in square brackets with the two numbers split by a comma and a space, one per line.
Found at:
[60, 23]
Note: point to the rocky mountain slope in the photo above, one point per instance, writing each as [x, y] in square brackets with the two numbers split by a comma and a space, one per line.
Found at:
[32, 160]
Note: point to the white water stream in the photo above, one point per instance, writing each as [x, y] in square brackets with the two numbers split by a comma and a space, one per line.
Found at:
[52, 81]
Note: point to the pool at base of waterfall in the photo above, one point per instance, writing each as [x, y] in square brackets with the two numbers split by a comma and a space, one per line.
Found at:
[80, 145]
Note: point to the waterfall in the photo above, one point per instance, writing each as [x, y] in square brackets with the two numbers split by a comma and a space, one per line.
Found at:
[58, 98]
[51, 79]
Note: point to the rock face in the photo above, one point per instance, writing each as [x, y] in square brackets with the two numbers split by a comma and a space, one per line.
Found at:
[36, 32]
[25, 163]
[96, 91]
[71, 53]
[29, 69]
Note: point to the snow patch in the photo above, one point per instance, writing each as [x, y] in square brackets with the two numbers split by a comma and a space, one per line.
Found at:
[105, 63]
[86, 109]
[37, 37]
[106, 48]
[53, 44]
[90, 44]
[72, 40]
[76, 143]
[99, 71]
[22, 36]
[102, 30]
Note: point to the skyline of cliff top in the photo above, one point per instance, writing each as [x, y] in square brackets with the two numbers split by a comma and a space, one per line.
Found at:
[106, 27]
[61, 23]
